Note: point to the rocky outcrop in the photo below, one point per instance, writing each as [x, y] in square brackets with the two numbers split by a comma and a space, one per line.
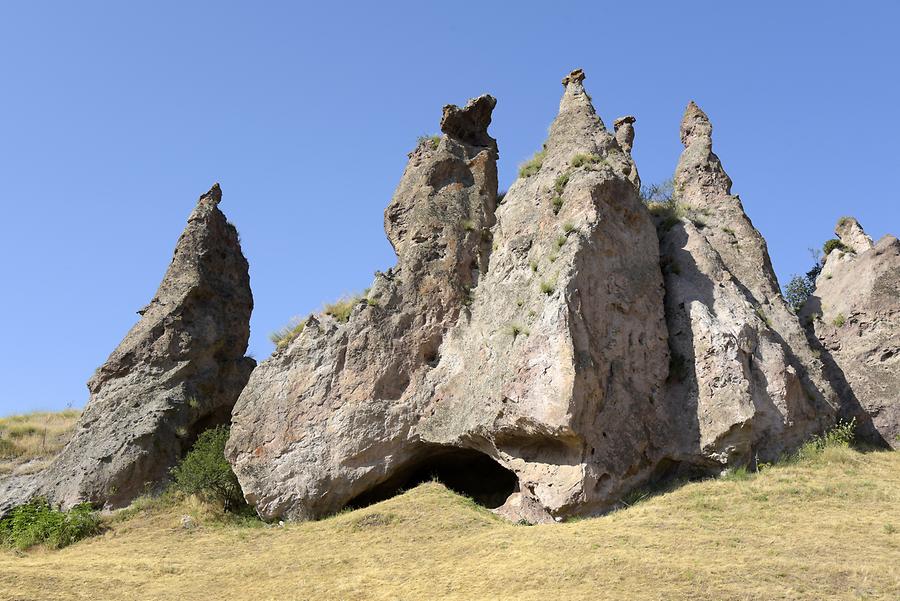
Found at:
[855, 313]
[178, 371]
[329, 415]
[520, 357]
[744, 384]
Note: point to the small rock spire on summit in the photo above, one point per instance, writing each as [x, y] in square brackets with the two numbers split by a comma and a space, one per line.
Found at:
[695, 125]
[853, 235]
[624, 127]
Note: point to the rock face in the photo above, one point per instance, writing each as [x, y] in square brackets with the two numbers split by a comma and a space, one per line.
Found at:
[178, 371]
[744, 383]
[855, 313]
[519, 357]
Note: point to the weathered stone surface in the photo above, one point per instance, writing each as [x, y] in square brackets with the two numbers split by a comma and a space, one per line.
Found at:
[744, 383]
[855, 313]
[329, 416]
[177, 371]
[546, 356]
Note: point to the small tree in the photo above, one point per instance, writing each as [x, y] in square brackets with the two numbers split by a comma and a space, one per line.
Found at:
[797, 291]
[205, 472]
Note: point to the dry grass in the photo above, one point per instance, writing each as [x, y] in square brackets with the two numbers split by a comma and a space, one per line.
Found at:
[823, 528]
[28, 442]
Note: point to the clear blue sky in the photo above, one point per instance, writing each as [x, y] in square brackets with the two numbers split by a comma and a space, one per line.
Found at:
[115, 117]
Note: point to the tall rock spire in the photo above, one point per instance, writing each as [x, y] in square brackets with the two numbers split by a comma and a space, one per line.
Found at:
[178, 371]
[744, 380]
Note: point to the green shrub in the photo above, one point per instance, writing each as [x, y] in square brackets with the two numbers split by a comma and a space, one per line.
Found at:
[839, 321]
[561, 181]
[841, 435]
[548, 287]
[557, 203]
[798, 290]
[534, 165]
[468, 224]
[834, 244]
[205, 472]
[431, 141]
[37, 523]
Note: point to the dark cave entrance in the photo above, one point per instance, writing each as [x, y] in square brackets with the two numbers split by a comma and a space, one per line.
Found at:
[465, 471]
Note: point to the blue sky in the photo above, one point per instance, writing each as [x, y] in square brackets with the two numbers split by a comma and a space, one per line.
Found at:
[115, 117]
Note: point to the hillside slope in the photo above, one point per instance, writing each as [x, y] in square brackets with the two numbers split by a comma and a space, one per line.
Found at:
[825, 528]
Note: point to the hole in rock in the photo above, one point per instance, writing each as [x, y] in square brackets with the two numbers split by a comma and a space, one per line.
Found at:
[465, 471]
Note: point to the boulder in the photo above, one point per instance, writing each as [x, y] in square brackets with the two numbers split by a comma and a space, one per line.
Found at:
[178, 371]
[855, 313]
[519, 356]
[744, 383]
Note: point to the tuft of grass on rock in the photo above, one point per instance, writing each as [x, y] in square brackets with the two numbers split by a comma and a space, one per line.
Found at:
[533, 165]
[285, 335]
[343, 307]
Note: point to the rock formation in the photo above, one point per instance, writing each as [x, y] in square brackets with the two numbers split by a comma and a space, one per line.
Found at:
[855, 313]
[178, 371]
[744, 384]
[523, 360]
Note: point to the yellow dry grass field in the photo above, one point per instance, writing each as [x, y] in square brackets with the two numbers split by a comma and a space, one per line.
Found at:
[824, 528]
[28, 442]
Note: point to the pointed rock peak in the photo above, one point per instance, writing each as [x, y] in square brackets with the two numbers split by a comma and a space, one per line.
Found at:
[576, 99]
[214, 195]
[695, 125]
[852, 234]
[469, 124]
[575, 77]
[624, 127]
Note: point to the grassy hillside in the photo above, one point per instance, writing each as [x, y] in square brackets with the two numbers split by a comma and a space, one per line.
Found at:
[827, 527]
[28, 442]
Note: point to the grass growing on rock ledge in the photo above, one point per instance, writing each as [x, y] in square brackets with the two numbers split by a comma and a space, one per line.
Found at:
[825, 525]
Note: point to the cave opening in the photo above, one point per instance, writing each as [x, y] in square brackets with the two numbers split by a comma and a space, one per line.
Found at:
[464, 471]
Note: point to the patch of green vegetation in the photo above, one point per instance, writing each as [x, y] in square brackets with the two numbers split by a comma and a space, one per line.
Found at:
[738, 474]
[843, 221]
[548, 287]
[556, 202]
[343, 307]
[534, 266]
[515, 329]
[431, 141]
[585, 160]
[839, 321]
[468, 224]
[37, 523]
[560, 241]
[834, 244]
[205, 472]
[533, 165]
[285, 335]
[568, 227]
[561, 181]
